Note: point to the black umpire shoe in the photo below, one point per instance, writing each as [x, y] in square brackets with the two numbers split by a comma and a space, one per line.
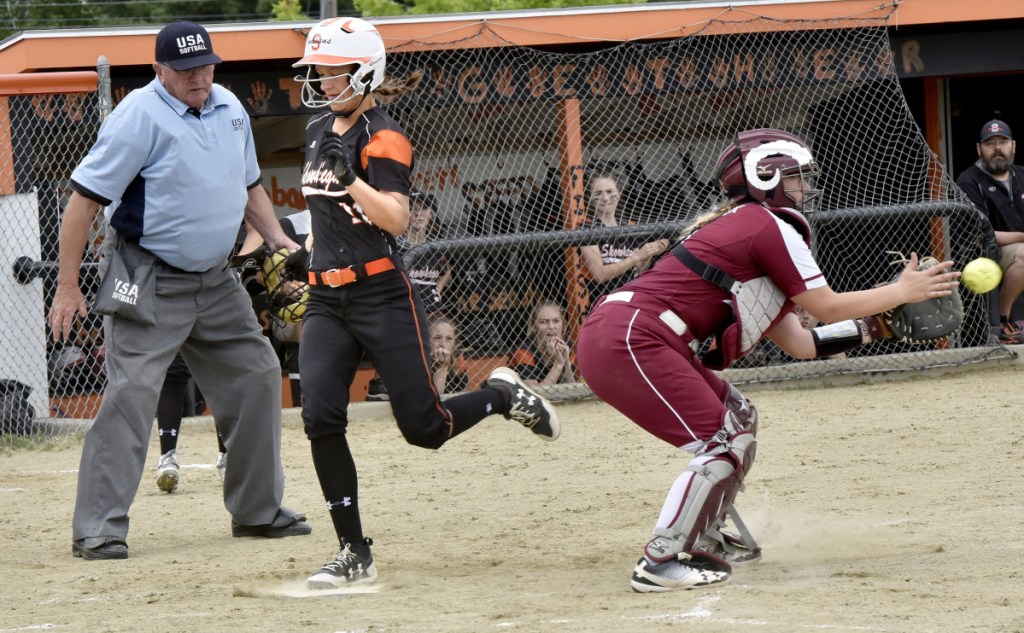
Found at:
[525, 405]
[286, 523]
[107, 550]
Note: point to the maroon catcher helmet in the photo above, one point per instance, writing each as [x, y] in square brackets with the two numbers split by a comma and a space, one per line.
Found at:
[754, 166]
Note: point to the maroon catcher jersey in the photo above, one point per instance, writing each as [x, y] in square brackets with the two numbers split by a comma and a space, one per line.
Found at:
[382, 156]
[747, 242]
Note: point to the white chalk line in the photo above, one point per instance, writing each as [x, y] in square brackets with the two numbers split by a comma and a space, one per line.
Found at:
[702, 611]
[74, 471]
[298, 589]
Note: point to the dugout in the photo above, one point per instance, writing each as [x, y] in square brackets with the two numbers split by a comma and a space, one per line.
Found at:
[959, 63]
[516, 110]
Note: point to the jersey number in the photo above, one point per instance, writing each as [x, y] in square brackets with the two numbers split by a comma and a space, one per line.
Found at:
[355, 212]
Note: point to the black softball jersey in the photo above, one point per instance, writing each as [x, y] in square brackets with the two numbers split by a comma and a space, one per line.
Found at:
[344, 236]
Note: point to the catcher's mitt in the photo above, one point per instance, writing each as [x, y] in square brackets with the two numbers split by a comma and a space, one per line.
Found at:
[926, 321]
[249, 261]
[279, 268]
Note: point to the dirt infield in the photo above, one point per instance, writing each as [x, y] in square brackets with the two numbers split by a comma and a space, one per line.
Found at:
[881, 507]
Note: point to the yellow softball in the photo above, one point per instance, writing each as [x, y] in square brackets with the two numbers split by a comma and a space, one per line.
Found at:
[982, 274]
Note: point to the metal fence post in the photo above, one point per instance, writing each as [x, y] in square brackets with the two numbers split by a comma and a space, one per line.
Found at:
[105, 100]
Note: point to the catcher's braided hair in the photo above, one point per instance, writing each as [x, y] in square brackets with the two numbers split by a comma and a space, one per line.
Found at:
[713, 214]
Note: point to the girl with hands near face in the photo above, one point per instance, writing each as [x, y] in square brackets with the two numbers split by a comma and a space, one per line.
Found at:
[545, 357]
[446, 367]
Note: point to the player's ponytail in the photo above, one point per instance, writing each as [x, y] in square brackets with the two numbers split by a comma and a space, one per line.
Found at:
[713, 214]
[394, 87]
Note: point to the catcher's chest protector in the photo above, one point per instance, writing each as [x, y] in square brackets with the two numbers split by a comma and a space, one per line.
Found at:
[756, 308]
[756, 304]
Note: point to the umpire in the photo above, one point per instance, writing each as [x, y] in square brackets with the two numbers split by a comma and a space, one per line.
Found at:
[175, 165]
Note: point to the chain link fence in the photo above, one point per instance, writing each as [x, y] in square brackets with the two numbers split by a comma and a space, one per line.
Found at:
[49, 126]
[553, 172]
[513, 145]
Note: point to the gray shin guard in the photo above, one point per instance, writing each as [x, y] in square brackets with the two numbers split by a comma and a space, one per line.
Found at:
[711, 482]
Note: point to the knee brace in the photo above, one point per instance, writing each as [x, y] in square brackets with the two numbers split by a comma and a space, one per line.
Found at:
[744, 410]
[736, 439]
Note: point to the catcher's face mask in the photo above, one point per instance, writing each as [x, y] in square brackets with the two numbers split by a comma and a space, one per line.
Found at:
[780, 172]
[802, 189]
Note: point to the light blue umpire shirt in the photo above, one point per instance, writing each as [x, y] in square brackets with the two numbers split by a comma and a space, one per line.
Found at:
[175, 183]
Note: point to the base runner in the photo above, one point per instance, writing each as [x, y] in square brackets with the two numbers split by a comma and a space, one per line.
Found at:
[356, 179]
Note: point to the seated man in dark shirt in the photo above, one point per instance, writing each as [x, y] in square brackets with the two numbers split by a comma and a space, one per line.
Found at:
[996, 186]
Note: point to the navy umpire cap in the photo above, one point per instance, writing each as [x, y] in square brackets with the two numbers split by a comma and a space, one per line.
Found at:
[183, 45]
[995, 127]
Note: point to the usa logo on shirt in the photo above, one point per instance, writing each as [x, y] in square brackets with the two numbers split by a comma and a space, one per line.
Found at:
[236, 124]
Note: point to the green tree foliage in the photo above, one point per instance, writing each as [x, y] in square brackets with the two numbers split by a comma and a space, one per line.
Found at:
[287, 11]
[23, 15]
[371, 8]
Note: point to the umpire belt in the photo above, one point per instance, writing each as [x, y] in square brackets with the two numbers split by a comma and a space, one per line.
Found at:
[668, 317]
[344, 276]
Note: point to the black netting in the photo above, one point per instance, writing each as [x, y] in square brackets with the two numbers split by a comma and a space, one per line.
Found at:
[510, 141]
[49, 134]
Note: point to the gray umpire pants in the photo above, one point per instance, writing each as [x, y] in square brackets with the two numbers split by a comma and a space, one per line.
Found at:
[209, 316]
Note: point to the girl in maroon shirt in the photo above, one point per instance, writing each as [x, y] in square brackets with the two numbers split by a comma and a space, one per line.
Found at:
[735, 277]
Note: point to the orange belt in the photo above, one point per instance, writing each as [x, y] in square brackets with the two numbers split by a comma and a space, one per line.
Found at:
[344, 276]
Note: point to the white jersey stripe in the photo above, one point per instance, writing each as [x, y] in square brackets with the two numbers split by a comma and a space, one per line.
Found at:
[800, 255]
[636, 363]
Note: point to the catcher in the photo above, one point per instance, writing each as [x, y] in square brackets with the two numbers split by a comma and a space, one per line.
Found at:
[283, 278]
[735, 277]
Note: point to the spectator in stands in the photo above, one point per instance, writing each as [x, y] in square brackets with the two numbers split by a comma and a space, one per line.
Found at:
[448, 366]
[613, 262]
[170, 409]
[996, 186]
[545, 357]
[428, 272]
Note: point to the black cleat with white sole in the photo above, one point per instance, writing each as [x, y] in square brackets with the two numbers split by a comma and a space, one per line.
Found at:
[526, 406]
[348, 568]
[686, 571]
